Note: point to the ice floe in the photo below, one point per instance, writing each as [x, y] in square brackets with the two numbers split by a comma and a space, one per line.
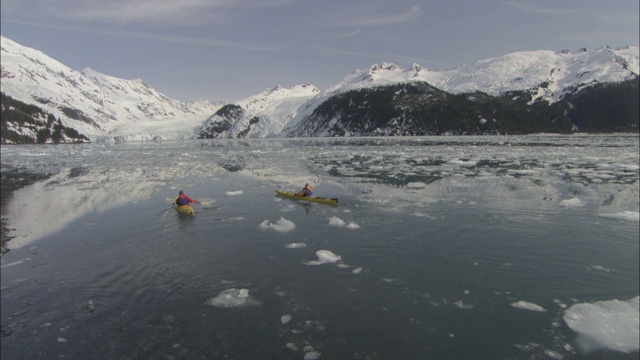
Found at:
[232, 298]
[525, 305]
[324, 257]
[462, 305]
[296, 245]
[624, 215]
[337, 222]
[611, 324]
[282, 225]
[285, 318]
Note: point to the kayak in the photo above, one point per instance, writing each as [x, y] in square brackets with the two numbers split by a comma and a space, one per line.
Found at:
[185, 209]
[293, 196]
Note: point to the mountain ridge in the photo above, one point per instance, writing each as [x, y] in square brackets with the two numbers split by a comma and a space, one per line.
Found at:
[104, 107]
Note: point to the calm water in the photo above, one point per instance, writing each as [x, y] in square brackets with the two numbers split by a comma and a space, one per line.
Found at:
[440, 239]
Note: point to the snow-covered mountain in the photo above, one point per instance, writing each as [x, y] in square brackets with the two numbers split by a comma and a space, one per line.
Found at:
[545, 75]
[262, 115]
[96, 104]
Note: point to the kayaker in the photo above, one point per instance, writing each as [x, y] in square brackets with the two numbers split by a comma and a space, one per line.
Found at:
[306, 191]
[183, 199]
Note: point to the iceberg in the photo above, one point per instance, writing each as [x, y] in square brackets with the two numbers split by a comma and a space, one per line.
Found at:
[609, 325]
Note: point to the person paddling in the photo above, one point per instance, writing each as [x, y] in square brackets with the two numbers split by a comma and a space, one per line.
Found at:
[306, 191]
[183, 199]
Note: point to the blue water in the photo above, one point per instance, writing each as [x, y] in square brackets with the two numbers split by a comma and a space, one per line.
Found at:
[429, 272]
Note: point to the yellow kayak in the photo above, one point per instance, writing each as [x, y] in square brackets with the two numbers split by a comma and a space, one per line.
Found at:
[184, 209]
[293, 196]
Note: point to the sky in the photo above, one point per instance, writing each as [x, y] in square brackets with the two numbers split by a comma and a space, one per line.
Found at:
[228, 50]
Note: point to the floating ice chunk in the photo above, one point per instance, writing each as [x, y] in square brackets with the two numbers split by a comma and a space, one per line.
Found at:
[324, 256]
[525, 305]
[598, 268]
[553, 354]
[234, 193]
[357, 270]
[336, 221]
[285, 318]
[527, 347]
[625, 215]
[283, 225]
[296, 245]
[462, 305]
[232, 298]
[416, 185]
[609, 325]
[571, 203]
[312, 355]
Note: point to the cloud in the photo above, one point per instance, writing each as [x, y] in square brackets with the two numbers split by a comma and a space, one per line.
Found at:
[135, 11]
[382, 20]
[542, 10]
[155, 36]
[347, 35]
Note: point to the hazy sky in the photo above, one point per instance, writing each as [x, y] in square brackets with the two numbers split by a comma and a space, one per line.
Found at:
[231, 49]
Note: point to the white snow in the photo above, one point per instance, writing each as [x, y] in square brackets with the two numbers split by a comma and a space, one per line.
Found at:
[611, 324]
[123, 109]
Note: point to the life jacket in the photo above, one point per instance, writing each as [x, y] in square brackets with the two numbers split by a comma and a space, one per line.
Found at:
[306, 191]
[182, 200]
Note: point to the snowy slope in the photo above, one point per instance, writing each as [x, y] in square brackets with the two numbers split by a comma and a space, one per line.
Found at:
[273, 108]
[93, 103]
[98, 105]
[548, 75]
[516, 71]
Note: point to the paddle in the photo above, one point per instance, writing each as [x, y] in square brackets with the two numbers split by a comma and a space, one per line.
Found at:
[205, 202]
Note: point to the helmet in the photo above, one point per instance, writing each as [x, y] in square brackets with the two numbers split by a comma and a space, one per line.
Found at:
[180, 192]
